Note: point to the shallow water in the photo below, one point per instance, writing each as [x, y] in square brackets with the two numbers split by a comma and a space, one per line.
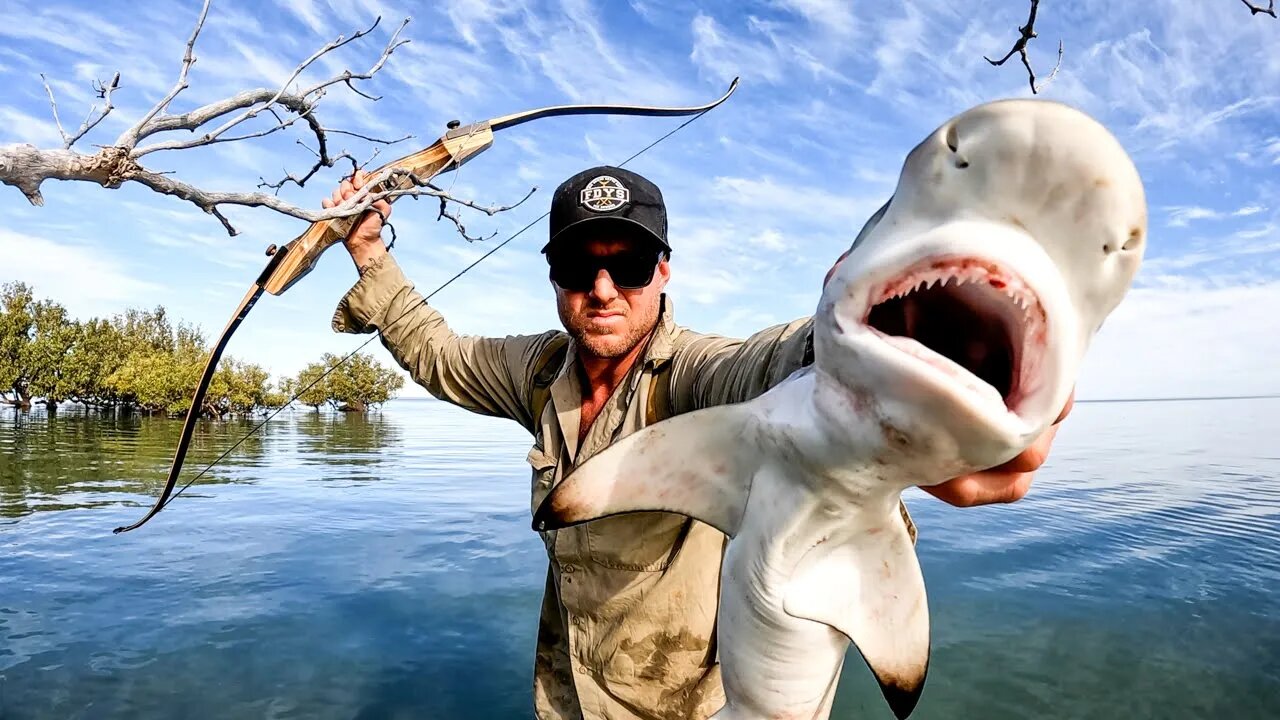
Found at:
[383, 567]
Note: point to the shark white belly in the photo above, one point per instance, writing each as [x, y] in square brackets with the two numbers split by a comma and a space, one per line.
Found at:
[946, 342]
[788, 682]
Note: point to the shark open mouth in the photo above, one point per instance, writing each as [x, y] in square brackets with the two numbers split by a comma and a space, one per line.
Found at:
[973, 319]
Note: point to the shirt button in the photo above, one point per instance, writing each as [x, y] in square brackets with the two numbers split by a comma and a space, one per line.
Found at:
[582, 670]
[579, 621]
[569, 568]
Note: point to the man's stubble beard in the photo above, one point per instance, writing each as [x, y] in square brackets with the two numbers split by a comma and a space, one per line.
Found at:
[609, 346]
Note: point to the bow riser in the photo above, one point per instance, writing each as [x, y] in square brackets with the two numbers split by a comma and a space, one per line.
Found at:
[302, 253]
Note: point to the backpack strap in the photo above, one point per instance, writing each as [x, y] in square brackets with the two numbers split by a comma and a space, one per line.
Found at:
[546, 367]
[659, 404]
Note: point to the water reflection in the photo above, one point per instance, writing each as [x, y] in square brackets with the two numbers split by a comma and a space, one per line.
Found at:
[353, 444]
[85, 457]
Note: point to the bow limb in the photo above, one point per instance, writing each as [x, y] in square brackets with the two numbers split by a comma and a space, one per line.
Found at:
[507, 121]
[197, 402]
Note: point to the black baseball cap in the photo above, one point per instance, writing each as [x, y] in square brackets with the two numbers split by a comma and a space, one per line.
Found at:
[607, 197]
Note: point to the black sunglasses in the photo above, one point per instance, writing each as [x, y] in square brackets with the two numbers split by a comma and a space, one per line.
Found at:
[630, 270]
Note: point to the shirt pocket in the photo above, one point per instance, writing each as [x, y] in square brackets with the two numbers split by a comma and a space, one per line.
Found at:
[544, 476]
[639, 542]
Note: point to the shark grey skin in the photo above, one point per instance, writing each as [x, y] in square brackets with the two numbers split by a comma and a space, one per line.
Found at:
[946, 342]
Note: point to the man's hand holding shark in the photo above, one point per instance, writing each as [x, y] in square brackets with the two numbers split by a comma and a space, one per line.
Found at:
[947, 342]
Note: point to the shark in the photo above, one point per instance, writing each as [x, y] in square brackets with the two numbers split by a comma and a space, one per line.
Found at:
[946, 340]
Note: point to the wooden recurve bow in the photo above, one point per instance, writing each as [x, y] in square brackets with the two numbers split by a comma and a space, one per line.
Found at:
[290, 263]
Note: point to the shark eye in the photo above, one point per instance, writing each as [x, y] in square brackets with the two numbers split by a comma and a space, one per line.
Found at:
[871, 223]
[1135, 239]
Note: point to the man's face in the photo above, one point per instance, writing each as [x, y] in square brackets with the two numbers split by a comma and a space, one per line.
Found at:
[606, 320]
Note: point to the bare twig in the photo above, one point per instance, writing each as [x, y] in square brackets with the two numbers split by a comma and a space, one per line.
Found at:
[490, 211]
[457, 222]
[135, 133]
[1270, 9]
[323, 160]
[66, 139]
[104, 91]
[1028, 32]
[113, 166]
[366, 137]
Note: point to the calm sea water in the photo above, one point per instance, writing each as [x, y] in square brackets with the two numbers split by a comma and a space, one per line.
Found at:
[383, 567]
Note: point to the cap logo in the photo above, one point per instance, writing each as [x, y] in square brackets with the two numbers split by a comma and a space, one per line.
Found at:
[604, 194]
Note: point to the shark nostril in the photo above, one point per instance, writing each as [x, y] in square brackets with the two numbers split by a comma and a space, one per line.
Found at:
[953, 138]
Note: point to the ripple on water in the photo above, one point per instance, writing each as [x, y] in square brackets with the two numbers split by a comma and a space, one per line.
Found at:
[346, 567]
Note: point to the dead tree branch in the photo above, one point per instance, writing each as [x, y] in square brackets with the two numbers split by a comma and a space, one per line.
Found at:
[26, 167]
[301, 103]
[1270, 9]
[1028, 32]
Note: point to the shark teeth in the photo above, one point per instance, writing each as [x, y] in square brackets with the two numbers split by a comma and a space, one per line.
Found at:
[943, 273]
[983, 294]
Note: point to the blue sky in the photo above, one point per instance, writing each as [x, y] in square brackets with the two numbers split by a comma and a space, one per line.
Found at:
[764, 193]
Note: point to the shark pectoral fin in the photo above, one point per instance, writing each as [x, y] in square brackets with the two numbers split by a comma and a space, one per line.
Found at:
[871, 590]
[698, 464]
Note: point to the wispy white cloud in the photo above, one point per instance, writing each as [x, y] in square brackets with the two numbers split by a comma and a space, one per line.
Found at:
[18, 126]
[1273, 149]
[66, 28]
[1181, 216]
[1224, 340]
[826, 16]
[723, 57]
[769, 50]
[796, 203]
[307, 11]
[82, 277]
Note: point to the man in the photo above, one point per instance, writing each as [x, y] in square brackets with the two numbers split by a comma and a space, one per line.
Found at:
[628, 615]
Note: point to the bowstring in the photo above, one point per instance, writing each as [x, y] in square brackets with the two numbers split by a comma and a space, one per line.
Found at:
[411, 308]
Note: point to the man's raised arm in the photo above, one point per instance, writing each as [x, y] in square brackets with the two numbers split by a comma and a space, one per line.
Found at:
[485, 375]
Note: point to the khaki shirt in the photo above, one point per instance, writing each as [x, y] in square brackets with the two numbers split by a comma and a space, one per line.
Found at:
[627, 628]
